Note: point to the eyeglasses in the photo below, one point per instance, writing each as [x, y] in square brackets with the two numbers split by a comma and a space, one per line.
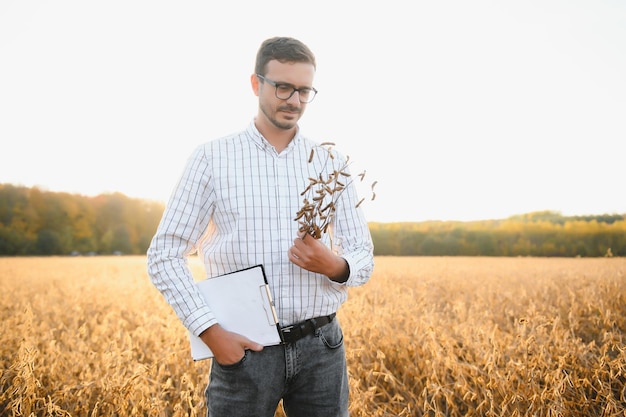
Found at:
[284, 91]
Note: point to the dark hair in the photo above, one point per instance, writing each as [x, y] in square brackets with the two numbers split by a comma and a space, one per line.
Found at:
[282, 49]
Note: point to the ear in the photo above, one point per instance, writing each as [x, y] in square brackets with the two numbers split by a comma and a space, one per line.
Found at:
[254, 82]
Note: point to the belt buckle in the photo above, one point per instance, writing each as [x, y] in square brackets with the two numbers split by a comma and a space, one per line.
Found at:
[287, 333]
[287, 329]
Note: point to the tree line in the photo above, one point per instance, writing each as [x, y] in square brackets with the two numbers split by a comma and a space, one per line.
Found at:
[38, 222]
[544, 233]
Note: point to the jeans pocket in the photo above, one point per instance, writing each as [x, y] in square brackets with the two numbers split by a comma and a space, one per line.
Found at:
[235, 365]
[331, 335]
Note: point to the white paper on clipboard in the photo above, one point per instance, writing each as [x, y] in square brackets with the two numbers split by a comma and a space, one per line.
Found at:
[242, 303]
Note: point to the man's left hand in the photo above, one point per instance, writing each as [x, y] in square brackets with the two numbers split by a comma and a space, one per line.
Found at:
[311, 254]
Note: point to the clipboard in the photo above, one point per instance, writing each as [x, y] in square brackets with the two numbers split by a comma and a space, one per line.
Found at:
[242, 303]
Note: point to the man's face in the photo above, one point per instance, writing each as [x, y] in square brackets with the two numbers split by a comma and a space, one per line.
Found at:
[284, 114]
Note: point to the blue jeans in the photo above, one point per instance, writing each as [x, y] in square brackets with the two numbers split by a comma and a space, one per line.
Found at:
[309, 375]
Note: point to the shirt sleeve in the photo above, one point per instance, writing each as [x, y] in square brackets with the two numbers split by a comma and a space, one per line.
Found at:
[352, 236]
[184, 222]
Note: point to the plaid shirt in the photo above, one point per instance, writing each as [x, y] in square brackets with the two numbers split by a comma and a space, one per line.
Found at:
[235, 205]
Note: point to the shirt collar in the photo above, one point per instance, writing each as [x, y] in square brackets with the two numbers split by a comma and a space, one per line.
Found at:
[263, 143]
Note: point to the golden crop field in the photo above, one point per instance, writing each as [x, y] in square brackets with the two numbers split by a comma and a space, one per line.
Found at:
[425, 337]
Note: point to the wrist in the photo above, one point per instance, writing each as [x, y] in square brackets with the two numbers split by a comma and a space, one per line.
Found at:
[343, 271]
[210, 333]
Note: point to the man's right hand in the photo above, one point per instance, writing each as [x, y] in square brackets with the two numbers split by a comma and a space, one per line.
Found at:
[228, 348]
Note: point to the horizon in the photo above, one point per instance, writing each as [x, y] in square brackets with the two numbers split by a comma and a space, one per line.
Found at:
[558, 212]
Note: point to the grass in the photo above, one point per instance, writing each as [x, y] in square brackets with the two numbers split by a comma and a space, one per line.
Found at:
[425, 337]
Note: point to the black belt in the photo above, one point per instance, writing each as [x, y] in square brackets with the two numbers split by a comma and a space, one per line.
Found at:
[295, 332]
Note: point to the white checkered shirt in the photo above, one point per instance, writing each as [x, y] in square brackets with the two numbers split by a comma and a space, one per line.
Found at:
[235, 204]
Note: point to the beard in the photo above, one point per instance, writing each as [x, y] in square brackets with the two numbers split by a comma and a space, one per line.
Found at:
[281, 124]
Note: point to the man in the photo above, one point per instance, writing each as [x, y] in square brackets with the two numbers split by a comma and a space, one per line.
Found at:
[236, 204]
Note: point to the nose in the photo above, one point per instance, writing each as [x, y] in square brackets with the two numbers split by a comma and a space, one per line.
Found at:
[295, 98]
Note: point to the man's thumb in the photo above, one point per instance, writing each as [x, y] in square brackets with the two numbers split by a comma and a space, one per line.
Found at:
[257, 347]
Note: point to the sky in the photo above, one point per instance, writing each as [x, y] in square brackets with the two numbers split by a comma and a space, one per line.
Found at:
[460, 110]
